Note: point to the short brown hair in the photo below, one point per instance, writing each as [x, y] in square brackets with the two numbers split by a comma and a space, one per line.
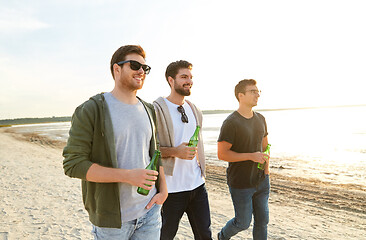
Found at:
[174, 67]
[241, 86]
[123, 51]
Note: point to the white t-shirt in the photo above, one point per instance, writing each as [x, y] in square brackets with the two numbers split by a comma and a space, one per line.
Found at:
[187, 173]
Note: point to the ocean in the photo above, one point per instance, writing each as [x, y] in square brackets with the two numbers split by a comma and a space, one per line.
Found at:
[327, 144]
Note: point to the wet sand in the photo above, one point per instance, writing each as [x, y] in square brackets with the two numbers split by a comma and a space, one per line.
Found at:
[39, 202]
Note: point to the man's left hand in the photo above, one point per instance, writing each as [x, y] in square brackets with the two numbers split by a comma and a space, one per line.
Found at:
[159, 199]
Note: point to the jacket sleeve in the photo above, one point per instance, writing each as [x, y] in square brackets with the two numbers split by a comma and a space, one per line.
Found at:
[78, 149]
[166, 138]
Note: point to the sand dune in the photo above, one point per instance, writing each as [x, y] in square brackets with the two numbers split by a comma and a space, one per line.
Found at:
[39, 202]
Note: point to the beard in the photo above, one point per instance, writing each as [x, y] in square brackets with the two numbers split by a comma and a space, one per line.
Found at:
[180, 90]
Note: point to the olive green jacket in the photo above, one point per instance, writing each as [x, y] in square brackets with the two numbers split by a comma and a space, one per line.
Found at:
[91, 140]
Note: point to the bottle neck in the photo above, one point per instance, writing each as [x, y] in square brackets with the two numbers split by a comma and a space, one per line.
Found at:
[197, 130]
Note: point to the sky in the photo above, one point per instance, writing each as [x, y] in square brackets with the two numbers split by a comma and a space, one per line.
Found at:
[54, 55]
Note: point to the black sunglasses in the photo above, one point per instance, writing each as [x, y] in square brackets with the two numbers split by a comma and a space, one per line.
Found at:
[135, 65]
[184, 116]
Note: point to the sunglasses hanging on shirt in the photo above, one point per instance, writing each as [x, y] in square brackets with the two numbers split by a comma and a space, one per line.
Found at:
[184, 117]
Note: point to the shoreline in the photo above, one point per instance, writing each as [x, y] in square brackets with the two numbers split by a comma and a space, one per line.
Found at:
[300, 208]
[323, 195]
[350, 197]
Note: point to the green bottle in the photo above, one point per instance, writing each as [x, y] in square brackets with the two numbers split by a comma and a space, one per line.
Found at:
[153, 165]
[261, 166]
[194, 139]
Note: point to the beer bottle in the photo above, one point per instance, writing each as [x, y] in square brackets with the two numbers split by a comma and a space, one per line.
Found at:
[153, 165]
[261, 166]
[194, 139]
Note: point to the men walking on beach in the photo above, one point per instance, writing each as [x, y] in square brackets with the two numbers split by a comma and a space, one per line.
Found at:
[112, 139]
[184, 166]
[242, 139]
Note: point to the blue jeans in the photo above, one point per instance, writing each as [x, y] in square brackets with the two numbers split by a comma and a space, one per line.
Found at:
[247, 202]
[144, 228]
[195, 204]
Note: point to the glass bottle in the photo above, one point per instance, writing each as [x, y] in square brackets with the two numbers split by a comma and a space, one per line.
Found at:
[261, 165]
[194, 139]
[153, 165]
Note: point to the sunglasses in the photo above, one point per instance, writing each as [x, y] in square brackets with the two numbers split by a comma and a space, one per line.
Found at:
[184, 117]
[135, 65]
[255, 92]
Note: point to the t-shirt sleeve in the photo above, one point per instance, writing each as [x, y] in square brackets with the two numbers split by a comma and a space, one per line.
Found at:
[227, 132]
[265, 127]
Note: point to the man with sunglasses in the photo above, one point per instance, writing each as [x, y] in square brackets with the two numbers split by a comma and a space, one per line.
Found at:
[184, 166]
[112, 139]
[242, 139]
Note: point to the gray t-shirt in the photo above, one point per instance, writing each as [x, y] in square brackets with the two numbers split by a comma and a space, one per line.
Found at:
[132, 135]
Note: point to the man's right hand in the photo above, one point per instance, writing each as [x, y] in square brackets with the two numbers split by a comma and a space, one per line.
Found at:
[259, 157]
[185, 152]
[142, 177]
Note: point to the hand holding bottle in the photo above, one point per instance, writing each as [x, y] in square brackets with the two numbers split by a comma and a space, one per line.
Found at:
[186, 150]
[183, 151]
[152, 174]
[259, 157]
[189, 150]
[266, 152]
[193, 141]
[141, 177]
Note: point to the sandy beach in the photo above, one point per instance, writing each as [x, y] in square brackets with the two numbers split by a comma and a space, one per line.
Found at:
[39, 202]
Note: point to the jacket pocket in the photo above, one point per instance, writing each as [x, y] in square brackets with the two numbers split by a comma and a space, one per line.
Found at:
[106, 199]
[99, 197]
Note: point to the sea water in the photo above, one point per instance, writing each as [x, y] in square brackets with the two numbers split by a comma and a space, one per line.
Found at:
[328, 144]
[323, 143]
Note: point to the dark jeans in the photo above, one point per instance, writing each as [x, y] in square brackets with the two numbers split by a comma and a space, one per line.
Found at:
[195, 204]
[248, 202]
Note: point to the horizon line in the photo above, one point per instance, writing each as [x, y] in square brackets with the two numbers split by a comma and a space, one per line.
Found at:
[284, 109]
[213, 111]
